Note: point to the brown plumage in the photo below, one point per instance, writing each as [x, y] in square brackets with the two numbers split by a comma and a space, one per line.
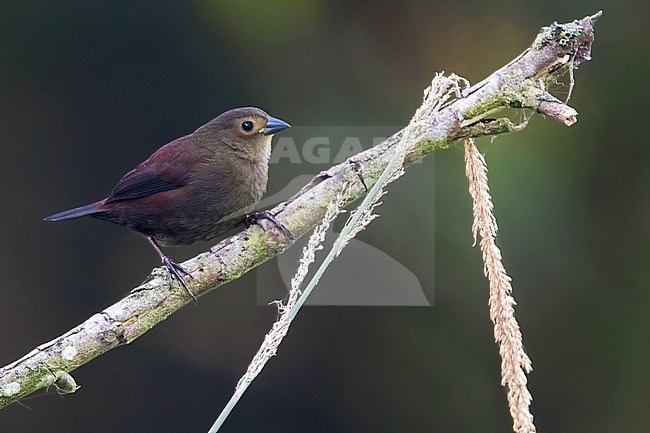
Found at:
[195, 187]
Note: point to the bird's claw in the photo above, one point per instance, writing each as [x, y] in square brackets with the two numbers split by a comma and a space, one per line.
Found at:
[255, 217]
[177, 271]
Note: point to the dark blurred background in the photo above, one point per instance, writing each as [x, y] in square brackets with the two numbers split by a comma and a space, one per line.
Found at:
[89, 89]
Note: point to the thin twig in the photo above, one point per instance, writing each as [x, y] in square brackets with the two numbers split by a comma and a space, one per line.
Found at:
[280, 328]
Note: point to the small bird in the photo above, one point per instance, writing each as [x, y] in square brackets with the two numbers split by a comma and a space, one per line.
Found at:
[195, 187]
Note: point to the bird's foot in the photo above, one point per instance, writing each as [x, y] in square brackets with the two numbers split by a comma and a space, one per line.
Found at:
[255, 217]
[177, 272]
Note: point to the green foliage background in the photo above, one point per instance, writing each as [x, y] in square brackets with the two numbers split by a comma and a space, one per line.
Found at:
[88, 89]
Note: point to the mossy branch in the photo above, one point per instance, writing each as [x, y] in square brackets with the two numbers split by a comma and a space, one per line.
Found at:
[522, 83]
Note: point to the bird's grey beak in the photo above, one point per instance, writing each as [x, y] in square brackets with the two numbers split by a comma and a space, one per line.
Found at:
[275, 125]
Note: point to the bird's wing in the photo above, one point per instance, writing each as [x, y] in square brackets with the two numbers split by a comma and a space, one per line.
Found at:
[165, 170]
[140, 183]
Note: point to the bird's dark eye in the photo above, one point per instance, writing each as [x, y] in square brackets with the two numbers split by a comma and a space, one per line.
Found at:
[247, 126]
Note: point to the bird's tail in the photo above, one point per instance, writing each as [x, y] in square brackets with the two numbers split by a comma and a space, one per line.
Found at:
[76, 212]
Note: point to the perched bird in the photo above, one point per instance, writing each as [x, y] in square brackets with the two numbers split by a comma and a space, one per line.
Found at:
[195, 187]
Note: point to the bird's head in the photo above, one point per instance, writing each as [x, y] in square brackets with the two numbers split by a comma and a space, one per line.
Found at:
[247, 130]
